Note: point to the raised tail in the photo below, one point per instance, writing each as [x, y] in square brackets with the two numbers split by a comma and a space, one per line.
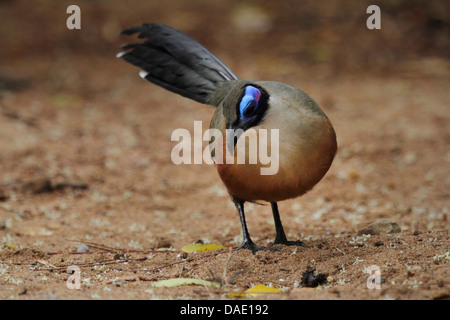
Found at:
[175, 61]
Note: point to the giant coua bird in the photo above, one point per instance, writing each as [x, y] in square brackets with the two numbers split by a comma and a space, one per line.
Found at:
[306, 139]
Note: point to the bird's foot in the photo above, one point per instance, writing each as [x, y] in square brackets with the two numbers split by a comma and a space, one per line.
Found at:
[250, 245]
[290, 243]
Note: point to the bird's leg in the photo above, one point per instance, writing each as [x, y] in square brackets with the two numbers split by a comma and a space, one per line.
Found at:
[280, 237]
[248, 243]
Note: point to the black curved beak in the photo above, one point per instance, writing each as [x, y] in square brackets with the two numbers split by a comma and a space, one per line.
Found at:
[233, 133]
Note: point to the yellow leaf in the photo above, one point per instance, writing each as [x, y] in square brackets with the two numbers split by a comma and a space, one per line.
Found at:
[261, 289]
[198, 247]
[255, 291]
[176, 282]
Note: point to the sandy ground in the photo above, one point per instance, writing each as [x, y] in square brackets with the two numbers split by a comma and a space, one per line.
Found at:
[85, 159]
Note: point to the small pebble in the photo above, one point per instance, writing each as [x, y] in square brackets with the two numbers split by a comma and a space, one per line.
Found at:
[83, 248]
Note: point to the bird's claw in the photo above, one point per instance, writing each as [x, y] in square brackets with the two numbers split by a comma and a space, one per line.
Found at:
[291, 243]
[250, 245]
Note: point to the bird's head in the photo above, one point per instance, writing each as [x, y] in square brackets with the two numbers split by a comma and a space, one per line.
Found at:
[243, 109]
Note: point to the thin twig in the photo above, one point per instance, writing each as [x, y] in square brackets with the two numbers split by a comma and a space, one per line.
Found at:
[106, 249]
[113, 251]
[224, 276]
[90, 264]
[94, 245]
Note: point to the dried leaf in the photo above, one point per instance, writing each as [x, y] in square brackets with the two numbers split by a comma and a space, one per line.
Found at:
[176, 282]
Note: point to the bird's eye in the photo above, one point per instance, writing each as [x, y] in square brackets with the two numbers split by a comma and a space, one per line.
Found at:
[249, 103]
[250, 109]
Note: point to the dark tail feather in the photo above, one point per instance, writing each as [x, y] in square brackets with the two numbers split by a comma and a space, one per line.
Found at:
[175, 61]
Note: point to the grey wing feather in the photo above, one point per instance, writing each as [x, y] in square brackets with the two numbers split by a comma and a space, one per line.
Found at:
[176, 62]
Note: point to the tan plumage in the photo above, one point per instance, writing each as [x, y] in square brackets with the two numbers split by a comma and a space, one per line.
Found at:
[307, 145]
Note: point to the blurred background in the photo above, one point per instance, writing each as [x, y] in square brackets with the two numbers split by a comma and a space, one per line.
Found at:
[74, 117]
[271, 38]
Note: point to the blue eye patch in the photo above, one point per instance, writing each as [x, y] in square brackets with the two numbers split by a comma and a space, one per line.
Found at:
[249, 103]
